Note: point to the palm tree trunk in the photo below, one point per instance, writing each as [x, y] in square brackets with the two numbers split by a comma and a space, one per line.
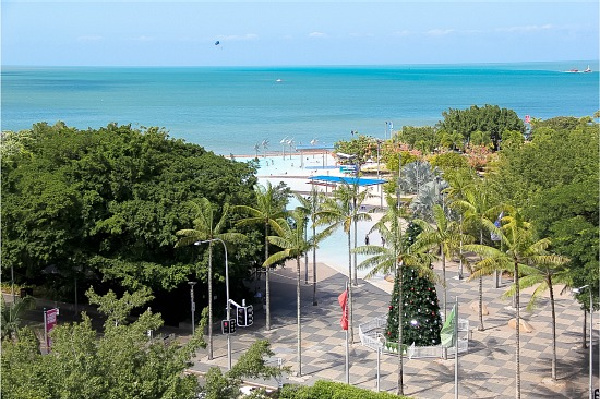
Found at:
[460, 244]
[314, 251]
[210, 303]
[355, 240]
[480, 326]
[400, 390]
[518, 322]
[350, 291]
[444, 277]
[267, 294]
[553, 327]
[299, 331]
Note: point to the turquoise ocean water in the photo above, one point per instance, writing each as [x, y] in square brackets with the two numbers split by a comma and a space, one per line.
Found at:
[228, 110]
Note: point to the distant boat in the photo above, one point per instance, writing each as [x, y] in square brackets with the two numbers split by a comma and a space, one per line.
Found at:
[575, 70]
[279, 80]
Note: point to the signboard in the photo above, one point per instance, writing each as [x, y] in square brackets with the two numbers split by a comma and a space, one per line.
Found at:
[50, 321]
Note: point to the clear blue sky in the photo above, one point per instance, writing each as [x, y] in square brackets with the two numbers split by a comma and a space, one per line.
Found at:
[161, 33]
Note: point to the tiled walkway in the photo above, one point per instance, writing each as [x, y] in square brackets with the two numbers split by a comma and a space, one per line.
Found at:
[486, 371]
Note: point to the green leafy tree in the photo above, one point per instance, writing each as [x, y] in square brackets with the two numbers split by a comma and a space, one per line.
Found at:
[290, 237]
[460, 181]
[341, 211]
[250, 365]
[422, 138]
[12, 316]
[117, 309]
[449, 162]
[393, 257]
[519, 248]
[489, 119]
[391, 159]
[362, 147]
[554, 179]
[123, 362]
[311, 206]
[269, 207]
[443, 236]
[208, 228]
[544, 276]
[111, 200]
[479, 209]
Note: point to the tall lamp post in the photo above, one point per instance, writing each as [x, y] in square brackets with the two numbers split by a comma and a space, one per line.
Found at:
[226, 293]
[282, 142]
[192, 284]
[579, 290]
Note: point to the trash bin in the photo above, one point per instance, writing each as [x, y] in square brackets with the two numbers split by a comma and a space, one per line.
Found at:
[26, 291]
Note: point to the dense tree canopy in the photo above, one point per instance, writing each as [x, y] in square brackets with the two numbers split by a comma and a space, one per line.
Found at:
[123, 362]
[554, 178]
[109, 200]
[489, 119]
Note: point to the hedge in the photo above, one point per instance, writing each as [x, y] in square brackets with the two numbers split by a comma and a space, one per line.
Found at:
[331, 390]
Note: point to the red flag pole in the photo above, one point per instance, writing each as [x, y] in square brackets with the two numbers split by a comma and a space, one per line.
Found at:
[343, 301]
[347, 340]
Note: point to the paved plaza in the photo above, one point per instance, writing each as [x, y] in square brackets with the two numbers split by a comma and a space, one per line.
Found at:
[486, 371]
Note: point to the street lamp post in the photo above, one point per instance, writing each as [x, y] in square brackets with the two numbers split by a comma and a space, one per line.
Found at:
[282, 142]
[579, 290]
[226, 293]
[379, 187]
[193, 304]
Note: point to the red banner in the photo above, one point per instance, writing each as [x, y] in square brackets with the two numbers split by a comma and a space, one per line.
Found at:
[343, 301]
[51, 319]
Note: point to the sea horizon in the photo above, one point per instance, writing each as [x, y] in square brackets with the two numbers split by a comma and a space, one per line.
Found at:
[233, 109]
[285, 66]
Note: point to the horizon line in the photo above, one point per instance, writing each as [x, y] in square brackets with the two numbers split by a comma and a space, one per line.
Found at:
[299, 65]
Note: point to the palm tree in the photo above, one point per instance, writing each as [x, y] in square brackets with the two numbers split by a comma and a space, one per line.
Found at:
[341, 210]
[311, 206]
[442, 235]
[11, 316]
[392, 258]
[479, 211]
[459, 182]
[549, 271]
[268, 208]
[207, 228]
[294, 245]
[520, 250]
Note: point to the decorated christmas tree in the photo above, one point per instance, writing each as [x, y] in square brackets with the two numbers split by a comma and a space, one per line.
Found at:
[421, 319]
[412, 231]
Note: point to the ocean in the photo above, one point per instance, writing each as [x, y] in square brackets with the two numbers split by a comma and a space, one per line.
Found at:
[231, 109]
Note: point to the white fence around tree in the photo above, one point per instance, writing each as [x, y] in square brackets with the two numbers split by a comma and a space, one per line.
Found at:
[372, 336]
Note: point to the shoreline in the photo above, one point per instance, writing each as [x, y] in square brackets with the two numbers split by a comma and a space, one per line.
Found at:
[277, 154]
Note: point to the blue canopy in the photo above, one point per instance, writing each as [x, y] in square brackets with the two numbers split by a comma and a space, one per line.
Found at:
[361, 181]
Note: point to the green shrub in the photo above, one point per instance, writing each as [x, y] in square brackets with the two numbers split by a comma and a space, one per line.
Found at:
[331, 390]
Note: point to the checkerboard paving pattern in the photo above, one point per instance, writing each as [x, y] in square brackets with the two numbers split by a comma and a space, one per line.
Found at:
[486, 371]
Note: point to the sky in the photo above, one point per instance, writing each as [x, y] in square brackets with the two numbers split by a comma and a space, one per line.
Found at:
[286, 33]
